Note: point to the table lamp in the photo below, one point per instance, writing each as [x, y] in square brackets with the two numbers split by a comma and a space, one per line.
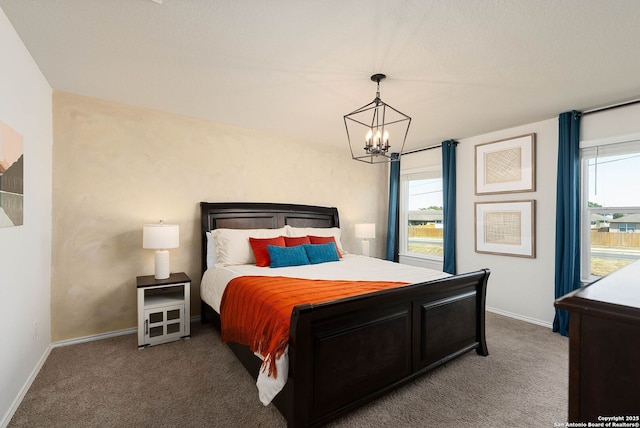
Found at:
[365, 231]
[161, 237]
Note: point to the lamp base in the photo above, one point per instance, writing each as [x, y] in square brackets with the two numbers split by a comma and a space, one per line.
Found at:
[365, 248]
[162, 264]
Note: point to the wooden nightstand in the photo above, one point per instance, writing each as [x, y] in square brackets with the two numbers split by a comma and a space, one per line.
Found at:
[163, 309]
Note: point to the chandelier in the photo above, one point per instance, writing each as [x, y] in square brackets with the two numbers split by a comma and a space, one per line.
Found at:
[374, 127]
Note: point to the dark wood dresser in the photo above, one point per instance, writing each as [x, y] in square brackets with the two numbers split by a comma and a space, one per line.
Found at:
[604, 347]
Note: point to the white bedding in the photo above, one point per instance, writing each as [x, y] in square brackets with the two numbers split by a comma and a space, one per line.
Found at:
[350, 267]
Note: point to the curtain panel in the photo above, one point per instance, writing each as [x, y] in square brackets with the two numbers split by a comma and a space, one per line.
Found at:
[393, 226]
[449, 205]
[567, 257]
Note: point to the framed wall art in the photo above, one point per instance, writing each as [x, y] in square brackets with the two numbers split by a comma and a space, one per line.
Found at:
[11, 177]
[506, 228]
[506, 166]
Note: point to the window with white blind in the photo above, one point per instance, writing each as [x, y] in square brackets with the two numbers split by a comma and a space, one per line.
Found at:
[421, 219]
[610, 207]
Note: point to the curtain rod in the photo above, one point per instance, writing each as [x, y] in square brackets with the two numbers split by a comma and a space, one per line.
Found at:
[598, 110]
[438, 146]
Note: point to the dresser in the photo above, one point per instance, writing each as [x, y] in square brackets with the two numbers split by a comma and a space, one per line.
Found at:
[604, 347]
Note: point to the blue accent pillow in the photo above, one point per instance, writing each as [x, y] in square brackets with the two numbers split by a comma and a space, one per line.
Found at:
[287, 256]
[321, 253]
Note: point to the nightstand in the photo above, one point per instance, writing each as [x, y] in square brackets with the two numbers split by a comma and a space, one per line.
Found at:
[163, 309]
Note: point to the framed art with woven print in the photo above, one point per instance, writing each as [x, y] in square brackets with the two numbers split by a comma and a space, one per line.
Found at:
[506, 166]
[506, 228]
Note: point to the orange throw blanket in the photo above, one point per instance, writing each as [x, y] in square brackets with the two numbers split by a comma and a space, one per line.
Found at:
[256, 310]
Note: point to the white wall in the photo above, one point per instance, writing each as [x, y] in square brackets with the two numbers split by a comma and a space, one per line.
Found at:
[520, 287]
[25, 251]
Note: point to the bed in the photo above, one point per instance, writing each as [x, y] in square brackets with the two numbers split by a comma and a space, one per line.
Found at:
[390, 336]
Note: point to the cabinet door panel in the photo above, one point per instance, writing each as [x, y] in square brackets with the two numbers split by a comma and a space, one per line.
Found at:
[164, 324]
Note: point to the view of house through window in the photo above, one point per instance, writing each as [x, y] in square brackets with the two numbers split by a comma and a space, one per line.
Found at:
[423, 215]
[611, 203]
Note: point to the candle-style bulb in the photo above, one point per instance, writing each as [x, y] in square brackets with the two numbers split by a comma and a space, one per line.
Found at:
[368, 137]
[377, 139]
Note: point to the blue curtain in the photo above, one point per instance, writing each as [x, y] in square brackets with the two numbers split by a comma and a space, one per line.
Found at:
[449, 201]
[567, 276]
[394, 209]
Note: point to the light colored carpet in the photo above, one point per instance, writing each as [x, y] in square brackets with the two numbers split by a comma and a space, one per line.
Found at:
[198, 382]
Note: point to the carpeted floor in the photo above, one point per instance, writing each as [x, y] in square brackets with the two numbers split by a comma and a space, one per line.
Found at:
[199, 383]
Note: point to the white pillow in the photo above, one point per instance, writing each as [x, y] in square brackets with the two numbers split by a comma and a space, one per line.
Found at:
[295, 232]
[211, 250]
[232, 245]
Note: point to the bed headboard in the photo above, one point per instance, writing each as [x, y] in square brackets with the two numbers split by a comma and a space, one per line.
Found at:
[260, 215]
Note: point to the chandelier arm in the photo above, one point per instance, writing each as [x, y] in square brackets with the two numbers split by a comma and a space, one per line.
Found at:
[356, 121]
[387, 158]
[394, 109]
[353, 156]
[375, 118]
[405, 135]
[365, 107]
[397, 121]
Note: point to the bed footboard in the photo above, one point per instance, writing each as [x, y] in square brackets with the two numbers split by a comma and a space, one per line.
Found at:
[346, 353]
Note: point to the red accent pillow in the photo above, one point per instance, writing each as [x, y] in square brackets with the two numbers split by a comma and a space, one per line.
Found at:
[325, 240]
[259, 247]
[295, 241]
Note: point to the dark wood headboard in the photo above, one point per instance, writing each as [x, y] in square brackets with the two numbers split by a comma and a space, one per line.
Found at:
[260, 215]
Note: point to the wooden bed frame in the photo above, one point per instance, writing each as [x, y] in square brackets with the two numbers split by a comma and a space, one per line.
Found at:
[388, 338]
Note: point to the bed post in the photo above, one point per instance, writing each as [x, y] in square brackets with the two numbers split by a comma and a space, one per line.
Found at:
[300, 359]
[481, 302]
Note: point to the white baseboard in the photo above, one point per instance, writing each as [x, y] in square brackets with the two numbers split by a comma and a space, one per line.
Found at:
[93, 337]
[520, 317]
[25, 388]
[101, 336]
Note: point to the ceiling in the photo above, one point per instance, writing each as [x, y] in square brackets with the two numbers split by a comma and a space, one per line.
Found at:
[459, 68]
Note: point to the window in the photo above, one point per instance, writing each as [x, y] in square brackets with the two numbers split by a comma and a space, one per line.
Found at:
[421, 225]
[610, 208]
[627, 227]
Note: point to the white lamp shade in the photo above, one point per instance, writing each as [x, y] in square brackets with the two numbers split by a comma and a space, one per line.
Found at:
[366, 230]
[160, 236]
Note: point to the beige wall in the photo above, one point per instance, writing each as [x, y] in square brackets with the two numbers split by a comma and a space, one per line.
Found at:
[116, 167]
